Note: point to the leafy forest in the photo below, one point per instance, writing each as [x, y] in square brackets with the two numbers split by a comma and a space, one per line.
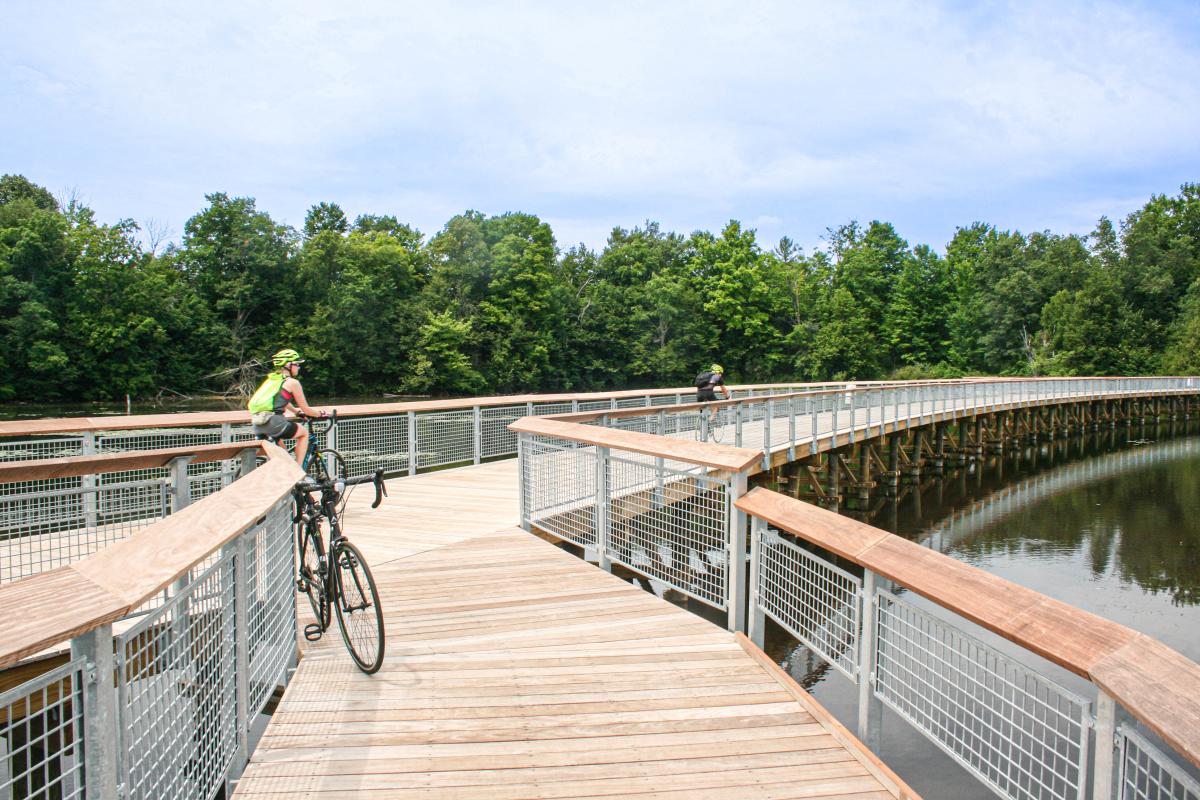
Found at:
[495, 304]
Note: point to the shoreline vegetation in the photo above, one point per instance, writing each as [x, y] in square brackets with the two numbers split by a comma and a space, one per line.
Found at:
[495, 305]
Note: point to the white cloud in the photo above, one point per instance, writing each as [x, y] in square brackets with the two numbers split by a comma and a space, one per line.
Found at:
[556, 107]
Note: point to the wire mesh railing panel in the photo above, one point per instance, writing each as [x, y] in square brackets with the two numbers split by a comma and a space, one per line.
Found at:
[1146, 773]
[41, 736]
[558, 484]
[1020, 733]
[671, 526]
[270, 604]
[595, 405]
[177, 691]
[815, 601]
[632, 402]
[445, 437]
[41, 447]
[159, 439]
[44, 530]
[543, 409]
[497, 439]
[664, 400]
[373, 443]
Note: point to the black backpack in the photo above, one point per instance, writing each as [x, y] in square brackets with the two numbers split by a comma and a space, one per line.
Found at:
[702, 379]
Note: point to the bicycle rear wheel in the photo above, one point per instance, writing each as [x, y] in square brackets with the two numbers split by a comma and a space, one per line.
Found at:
[359, 613]
[312, 581]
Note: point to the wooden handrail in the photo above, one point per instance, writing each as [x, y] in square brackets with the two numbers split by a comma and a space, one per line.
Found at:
[1158, 685]
[706, 454]
[76, 466]
[53, 606]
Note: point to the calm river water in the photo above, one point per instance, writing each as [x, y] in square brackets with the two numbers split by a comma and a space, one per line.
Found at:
[1107, 522]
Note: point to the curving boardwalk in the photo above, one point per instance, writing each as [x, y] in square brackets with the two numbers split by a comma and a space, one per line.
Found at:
[515, 670]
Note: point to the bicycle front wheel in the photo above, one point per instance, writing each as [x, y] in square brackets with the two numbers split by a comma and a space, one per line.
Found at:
[359, 613]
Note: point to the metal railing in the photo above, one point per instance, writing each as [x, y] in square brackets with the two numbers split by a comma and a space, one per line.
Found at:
[159, 705]
[658, 500]
[1019, 732]
[666, 519]
[46, 523]
[808, 421]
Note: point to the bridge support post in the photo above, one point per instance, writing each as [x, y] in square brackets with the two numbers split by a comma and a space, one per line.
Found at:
[101, 732]
[869, 708]
[736, 575]
[832, 473]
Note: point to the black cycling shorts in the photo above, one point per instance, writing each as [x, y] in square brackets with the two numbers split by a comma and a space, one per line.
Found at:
[277, 427]
[705, 396]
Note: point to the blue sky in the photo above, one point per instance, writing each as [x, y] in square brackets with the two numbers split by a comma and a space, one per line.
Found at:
[791, 117]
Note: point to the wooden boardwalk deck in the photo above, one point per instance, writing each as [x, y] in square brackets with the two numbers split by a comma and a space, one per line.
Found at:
[515, 670]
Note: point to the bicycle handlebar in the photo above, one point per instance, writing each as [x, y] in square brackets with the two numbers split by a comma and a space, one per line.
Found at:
[310, 484]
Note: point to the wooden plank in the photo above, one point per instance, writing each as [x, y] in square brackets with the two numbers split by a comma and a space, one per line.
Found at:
[897, 787]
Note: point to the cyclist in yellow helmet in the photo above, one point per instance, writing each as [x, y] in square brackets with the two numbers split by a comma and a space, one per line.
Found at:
[281, 392]
[707, 384]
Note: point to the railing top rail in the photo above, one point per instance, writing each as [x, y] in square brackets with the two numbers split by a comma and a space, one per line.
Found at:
[76, 466]
[706, 454]
[53, 606]
[1158, 685]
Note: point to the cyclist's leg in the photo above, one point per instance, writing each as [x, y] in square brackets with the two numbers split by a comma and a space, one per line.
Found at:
[302, 445]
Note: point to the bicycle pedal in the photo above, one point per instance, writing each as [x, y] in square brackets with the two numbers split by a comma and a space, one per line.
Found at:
[313, 631]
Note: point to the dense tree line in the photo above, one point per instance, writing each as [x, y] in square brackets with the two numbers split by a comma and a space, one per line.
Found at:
[493, 304]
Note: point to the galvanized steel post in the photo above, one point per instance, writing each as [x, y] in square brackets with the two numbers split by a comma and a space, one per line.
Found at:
[869, 710]
[736, 576]
[88, 482]
[1105, 726]
[523, 480]
[101, 719]
[412, 443]
[477, 432]
[181, 486]
[241, 655]
[602, 509]
[756, 621]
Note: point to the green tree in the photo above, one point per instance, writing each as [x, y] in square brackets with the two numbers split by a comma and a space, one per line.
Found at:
[439, 363]
[239, 261]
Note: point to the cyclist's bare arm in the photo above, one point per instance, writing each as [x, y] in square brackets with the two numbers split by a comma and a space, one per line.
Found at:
[298, 402]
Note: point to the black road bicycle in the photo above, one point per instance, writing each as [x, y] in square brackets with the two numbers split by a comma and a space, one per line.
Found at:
[333, 573]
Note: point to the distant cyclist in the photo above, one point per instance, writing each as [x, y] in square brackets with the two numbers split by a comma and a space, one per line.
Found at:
[707, 383]
[281, 392]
